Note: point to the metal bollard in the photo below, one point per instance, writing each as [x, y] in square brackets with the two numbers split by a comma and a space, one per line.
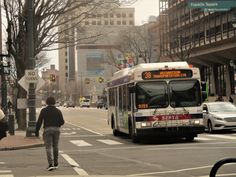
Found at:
[11, 124]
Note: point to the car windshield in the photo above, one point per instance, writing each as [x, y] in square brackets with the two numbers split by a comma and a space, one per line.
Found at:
[185, 93]
[221, 107]
[151, 95]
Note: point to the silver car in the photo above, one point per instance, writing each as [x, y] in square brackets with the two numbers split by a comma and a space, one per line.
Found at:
[219, 116]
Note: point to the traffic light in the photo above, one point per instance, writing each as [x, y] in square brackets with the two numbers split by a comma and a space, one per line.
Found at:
[52, 77]
[100, 79]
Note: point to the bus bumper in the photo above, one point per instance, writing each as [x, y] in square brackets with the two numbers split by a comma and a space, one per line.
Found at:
[170, 132]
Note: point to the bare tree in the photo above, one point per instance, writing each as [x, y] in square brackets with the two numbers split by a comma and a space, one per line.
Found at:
[135, 41]
[48, 16]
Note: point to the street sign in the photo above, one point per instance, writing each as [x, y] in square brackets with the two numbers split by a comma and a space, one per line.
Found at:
[25, 84]
[212, 5]
[31, 76]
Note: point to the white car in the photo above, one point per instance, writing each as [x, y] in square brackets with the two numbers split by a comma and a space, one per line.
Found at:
[85, 103]
[219, 116]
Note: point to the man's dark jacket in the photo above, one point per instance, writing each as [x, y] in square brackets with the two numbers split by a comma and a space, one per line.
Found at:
[50, 116]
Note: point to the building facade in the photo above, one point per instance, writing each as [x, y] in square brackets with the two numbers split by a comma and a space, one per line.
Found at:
[204, 39]
[83, 68]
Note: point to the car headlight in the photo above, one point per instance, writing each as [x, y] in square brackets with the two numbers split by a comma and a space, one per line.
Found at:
[218, 118]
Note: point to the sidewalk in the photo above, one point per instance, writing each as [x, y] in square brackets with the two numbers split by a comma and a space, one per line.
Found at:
[19, 141]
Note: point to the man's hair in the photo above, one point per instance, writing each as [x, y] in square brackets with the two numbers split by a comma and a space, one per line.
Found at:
[50, 101]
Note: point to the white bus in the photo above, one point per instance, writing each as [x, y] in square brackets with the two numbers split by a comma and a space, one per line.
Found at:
[156, 100]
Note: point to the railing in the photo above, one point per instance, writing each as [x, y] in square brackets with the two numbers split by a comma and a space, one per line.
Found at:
[218, 164]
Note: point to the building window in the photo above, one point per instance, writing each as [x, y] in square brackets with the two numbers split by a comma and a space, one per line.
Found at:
[123, 22]
[106, 22]
[111, 15]
[123, 15]
[65, 53]
[99, 23]
[131, 22]
[112, 22]
[105, 15]
[131, 15]
[118, 22]
[93, 22]
[86, 23]
[66, 74]
[118, 15]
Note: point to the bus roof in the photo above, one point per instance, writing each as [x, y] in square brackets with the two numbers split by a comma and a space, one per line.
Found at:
[124, 75]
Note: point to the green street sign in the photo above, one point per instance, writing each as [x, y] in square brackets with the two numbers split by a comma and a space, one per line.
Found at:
[212, 5]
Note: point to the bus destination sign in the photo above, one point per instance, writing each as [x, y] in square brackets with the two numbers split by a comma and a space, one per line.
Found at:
[167, 74]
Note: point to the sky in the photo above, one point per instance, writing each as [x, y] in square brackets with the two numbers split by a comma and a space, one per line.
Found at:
[143, 10]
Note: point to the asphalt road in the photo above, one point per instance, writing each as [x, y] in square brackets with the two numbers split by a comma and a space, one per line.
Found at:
[87, 147]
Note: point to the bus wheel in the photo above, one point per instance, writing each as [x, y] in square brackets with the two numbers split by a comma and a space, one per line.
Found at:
[115, 132]
[189, 138]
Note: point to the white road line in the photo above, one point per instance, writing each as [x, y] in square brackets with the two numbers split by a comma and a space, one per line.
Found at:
[2, 163]
[85, 129]
[5, 171]
[80, 143]
[75, 165]
[6, 175]
[203, 139]
[109, 142]
[222, 136]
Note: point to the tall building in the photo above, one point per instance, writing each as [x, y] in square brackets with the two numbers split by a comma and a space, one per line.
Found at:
[83, 68]
[203, 38]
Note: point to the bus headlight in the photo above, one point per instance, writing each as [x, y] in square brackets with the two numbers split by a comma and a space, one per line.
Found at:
[146, 124]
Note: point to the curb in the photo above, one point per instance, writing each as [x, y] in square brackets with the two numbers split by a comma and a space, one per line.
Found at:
[21, 147]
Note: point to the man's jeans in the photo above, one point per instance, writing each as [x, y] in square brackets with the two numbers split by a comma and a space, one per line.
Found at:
[51, 140]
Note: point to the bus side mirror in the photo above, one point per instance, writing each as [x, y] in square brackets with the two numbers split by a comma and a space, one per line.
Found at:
[132, 89]
[204, 96]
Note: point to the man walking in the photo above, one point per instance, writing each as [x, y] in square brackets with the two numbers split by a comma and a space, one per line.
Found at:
[52, 120]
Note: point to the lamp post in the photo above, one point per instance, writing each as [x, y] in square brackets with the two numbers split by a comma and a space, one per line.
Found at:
[31, 65]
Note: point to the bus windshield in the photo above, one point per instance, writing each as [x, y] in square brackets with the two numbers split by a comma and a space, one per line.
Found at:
[151, 95]
[159, 94]
[185, 93]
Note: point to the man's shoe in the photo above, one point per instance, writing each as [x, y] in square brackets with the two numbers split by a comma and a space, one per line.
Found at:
[55, 165]
[50, 168]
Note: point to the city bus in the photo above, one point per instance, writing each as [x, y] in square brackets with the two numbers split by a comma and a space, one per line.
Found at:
[156, 100]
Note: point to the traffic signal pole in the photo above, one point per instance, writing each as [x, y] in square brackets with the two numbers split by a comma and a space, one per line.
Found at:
[31, 65]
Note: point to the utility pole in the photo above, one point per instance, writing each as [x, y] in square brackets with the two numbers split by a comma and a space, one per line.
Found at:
[31, 66]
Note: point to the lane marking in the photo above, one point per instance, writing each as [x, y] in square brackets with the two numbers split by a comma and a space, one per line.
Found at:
[109, 142]
[75, 165]
[2, 163]
[223, 137]
[5, 171]
[85, 129]
[172, 171]
[80, 143]
[204, 139]
[6, 175]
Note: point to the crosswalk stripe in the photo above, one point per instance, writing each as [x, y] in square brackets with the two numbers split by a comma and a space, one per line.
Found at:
[222, 136]
[80, 143]
[5, 171]
[109, 142]
[204, 139]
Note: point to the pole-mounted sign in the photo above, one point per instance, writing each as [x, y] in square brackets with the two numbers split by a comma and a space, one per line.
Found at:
[31, 76]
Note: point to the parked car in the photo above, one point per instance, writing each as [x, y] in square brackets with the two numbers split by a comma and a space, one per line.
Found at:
[85, 103]
[69, 104]
[219, 116]
[100, 104]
